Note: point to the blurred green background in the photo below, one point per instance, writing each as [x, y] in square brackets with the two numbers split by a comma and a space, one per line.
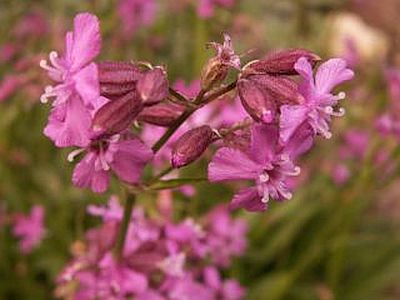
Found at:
[331, 241]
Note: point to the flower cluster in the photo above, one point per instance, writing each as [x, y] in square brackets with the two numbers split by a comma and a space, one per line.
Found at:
[95, 104]
[288, 116]
[161, 259]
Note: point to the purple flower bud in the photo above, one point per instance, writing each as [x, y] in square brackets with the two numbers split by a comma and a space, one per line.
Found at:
[281, 63]
[257, 101]
[115, 116]
[191, 145]
[283, 89]
[118, 72]
[114, 90]
[153, 86]
[162, 114]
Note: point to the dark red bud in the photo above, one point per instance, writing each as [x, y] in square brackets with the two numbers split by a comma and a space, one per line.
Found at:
[258, 103]
[283, 89]
[114, 90]
[282, 62]
[115, 116]
[118, 72]
[153, 86]
[191, 145]
[162, 114]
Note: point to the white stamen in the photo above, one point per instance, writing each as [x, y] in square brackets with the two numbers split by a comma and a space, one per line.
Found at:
[264, 177]
[341, 95]
[285, 157]
[104, 165]
[71, 156]
[265, 199]
[217, 133]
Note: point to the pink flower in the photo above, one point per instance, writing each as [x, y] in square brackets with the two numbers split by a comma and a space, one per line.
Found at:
[120, 278]
[9, 85]
[77, 89]
[136, 13]
[225, 290]
[126, 157]
[226, 54]
[226, 237]
[206, 8]
[319, 101]
[111, 212]
[267, 163]
[30, 229]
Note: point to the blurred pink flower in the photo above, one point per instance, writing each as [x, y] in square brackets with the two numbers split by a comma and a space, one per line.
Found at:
[226, 237]
[205, 8]
[135, 14]
[29, 228]
[9, 85]
[340, 174]
[7, 52]
[32, 25]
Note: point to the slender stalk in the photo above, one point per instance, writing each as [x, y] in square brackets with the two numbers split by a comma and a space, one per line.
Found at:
[200, 99]
[178, 95]
[123, 229]
[161, 175]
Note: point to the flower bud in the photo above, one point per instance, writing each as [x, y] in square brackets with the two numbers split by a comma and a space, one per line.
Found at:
[282, 63]
[115, 116]
[162, 114]
[114, 90]
[191, 145]
[258, 103]
[153, 86]
[118, 72]
[283, 90]
[213, 72]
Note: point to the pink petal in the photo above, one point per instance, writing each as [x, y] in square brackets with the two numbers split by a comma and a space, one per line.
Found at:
[332, 73]
[231, 164]
[87, 40]
[248, 199]
[130, 159]
[87, 84]
[292, 116]
[73, 129]
[264, 141]
[300, 141]
[85, 175]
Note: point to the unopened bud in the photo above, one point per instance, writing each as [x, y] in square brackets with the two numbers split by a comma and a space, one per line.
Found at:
[283, 89]
[115, 116]
[115, 90]
[162, 114]
[213, 72]
[191, 145]
[118, 72]
[153, 86]
[282, 62]
[258, 103]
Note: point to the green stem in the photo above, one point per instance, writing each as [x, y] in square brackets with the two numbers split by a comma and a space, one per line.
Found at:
[123, 229]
